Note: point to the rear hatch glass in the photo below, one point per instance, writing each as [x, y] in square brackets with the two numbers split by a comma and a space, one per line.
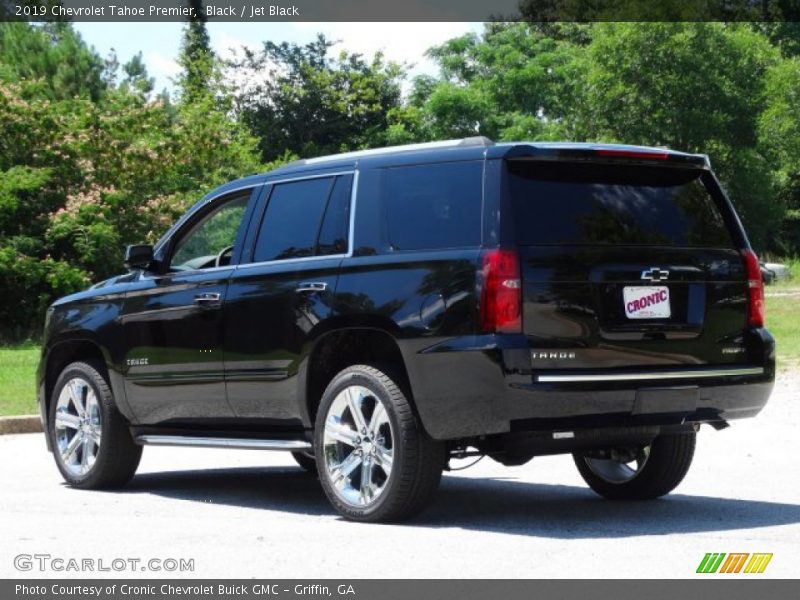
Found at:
[564, 203]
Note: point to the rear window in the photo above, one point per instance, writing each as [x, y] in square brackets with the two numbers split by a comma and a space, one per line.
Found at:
[434, 206]
[568, 203]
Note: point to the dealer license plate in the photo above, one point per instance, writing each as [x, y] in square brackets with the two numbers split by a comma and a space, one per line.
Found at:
[646, 302]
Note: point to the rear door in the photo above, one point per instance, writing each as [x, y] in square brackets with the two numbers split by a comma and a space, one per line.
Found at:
[282, 291]
[627, 266]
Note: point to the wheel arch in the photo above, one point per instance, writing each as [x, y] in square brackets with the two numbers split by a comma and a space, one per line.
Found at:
[339, 348]
[72, 349]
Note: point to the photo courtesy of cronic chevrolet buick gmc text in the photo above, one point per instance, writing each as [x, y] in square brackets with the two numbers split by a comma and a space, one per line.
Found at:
[379, 313]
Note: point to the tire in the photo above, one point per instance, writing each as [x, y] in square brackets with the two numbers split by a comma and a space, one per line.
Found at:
[113, 462]
[306, 460]
[401, 464]
[663, 468]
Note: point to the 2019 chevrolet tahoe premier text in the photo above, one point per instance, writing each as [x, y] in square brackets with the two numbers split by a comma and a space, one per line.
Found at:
[378, 313]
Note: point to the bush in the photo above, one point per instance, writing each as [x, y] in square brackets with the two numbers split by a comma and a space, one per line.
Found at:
[29, 285]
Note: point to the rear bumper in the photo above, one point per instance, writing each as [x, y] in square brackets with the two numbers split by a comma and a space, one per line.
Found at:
[484, 385]
[530, 408]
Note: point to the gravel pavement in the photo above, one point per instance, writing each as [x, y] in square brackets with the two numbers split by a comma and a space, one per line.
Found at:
[255, 514]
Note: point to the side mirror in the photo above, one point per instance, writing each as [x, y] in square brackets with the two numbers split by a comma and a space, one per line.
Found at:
[138, 256]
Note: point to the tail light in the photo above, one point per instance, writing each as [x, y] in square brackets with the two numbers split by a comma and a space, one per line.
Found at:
[646, 154]
[755, 290]
[501, 296]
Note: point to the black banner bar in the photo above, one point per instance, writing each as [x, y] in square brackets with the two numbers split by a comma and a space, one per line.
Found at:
[391, 10]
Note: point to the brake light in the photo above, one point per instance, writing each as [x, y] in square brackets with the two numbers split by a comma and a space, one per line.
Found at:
[633, 154]
[501, 296]
[755, 290]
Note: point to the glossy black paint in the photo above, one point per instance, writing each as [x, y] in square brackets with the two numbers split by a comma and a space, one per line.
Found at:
[180, 340]
[243, 363]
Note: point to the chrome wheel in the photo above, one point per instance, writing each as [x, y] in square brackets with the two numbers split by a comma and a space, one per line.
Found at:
[358, 446]
[619, 467]
[78, 426]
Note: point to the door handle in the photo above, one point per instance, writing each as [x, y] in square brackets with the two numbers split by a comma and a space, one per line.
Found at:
[312, 286]
[207, 299]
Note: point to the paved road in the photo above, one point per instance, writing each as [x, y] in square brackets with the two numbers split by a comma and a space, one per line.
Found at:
[254, 514]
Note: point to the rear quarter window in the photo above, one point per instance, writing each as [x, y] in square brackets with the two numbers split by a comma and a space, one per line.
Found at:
[571, 203]
[434, 206]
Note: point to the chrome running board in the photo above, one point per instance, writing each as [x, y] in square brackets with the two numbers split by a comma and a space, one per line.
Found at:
[212, 442]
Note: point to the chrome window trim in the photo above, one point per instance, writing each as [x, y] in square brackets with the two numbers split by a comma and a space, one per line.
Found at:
[284, 261]
[231, 191]
[311, 176]
[148, 275]
[707, 373]
[351, 226]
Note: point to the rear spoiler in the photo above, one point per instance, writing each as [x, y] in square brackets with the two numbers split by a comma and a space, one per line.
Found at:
[605, 153]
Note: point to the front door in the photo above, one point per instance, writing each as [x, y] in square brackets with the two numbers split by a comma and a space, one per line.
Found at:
[173, 321]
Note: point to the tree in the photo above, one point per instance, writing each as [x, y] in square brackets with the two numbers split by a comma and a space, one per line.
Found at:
[516, 81]
[136, 76]
[304, 101]
[81, 176]
[197, 59]
[54, 55]
[779, 139]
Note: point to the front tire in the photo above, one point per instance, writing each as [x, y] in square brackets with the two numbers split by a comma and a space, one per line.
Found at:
[92, 445]
[375, 461]
[659, 468]
[306, 460]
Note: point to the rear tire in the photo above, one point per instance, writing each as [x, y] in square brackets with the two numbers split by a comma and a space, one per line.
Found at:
[375, 461]
[667, 461]
[92, 444]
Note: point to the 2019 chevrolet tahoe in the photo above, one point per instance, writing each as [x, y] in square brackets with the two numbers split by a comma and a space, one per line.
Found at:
[380, 313]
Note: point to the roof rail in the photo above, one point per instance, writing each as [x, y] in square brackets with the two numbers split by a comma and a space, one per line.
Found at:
[465, 142]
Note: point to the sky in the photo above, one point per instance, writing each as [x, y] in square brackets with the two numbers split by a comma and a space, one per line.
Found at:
[160, 42]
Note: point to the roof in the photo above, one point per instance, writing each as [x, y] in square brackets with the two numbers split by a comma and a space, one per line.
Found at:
[475, 148]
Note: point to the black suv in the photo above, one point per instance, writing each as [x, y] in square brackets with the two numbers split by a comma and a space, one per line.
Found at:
[380, 313]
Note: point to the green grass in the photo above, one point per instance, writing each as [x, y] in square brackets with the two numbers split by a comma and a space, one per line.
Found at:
[783, 321]
[18, 379]
[783, 315]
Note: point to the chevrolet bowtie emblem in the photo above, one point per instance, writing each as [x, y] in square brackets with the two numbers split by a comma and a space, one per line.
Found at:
[655, 274]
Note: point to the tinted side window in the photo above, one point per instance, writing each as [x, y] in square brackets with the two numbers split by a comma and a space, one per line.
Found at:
[292, 219]
[434, 206]
[335, 226]
[201, 246]
[563, 203]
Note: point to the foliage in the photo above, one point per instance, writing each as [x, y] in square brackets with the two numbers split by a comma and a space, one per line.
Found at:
[196, 58]
[82, 177]
[54, 54]
[302, 100]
